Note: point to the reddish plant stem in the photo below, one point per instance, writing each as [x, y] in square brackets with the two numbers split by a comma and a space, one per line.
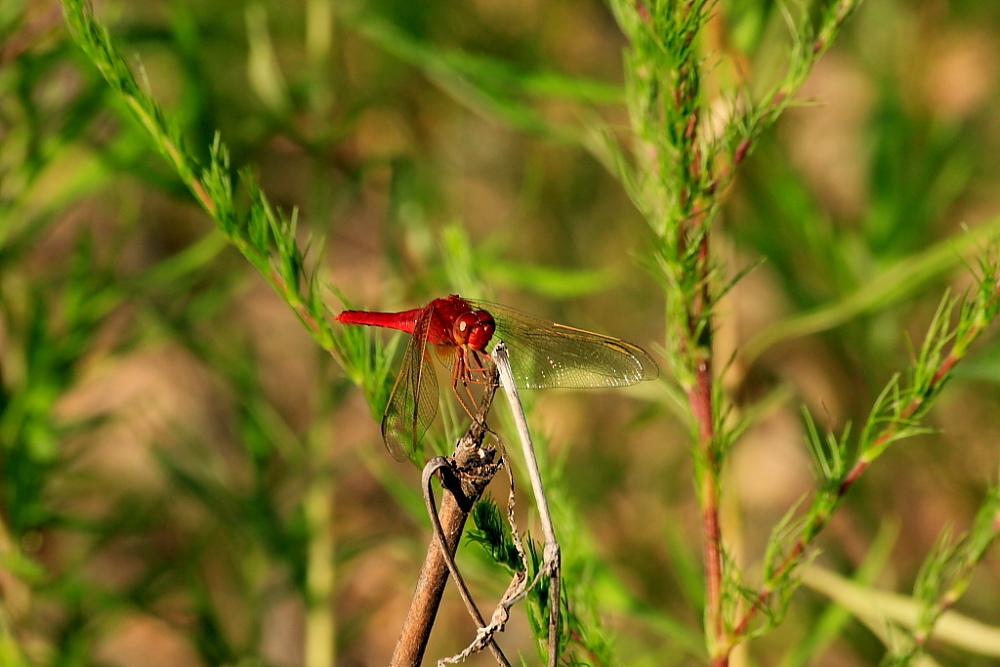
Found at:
[699, 350]
[697, 347]
[701, 405]
[700, 399]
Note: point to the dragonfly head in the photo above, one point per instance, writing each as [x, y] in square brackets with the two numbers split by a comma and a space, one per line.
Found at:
[474, 329]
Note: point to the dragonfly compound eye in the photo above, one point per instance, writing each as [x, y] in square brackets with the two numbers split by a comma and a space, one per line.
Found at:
[474, 329]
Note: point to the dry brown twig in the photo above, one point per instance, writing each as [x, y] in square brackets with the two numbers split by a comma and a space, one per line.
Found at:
[463, 476]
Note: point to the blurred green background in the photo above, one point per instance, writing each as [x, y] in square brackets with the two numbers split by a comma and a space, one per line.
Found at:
[187, 479]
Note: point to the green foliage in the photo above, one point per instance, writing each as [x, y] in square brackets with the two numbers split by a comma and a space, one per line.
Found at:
[493, 533]
[264, 236]
[947, 573]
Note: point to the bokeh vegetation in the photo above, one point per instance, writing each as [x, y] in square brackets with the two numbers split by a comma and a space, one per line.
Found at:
[187, 477]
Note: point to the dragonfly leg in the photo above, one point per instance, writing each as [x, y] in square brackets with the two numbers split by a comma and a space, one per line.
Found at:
[460, 375]
[471, 368]
[478, 368]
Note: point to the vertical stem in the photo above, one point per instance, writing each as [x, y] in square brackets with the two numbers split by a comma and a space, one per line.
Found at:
[320, 625]
[694, 222]
[701, 404]
[700, 398]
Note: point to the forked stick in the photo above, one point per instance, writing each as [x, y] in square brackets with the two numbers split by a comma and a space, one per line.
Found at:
[515, 589]
[551, 564]
[472, 474]
[445, 469]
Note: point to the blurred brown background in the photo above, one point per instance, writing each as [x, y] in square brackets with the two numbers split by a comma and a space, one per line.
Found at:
[183, 468]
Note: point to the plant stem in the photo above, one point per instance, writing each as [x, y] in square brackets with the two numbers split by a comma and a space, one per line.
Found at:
[700, 399]
[320, 624]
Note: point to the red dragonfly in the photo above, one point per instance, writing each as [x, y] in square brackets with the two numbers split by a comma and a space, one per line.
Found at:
[543, 354]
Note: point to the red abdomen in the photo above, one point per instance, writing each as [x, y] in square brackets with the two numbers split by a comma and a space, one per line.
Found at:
[404, 321]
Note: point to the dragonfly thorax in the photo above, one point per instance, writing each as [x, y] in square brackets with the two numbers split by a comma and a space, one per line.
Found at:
[474, 329]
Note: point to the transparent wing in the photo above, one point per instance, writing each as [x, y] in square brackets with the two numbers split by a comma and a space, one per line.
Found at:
[413, 402]
[546, 354]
